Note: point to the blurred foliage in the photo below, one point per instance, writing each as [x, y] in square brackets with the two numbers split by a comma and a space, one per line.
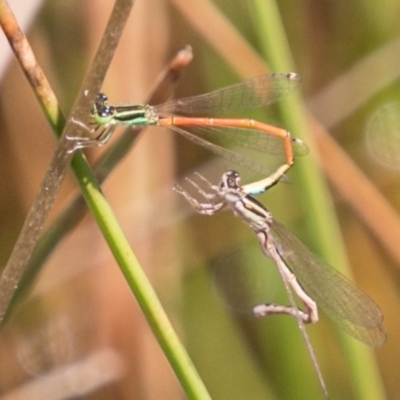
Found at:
[237, 356]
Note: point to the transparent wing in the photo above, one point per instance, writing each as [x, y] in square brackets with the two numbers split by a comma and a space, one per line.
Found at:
[242, 279]
[251, 94]
[352, 309]
[229, 155]
[249, 139]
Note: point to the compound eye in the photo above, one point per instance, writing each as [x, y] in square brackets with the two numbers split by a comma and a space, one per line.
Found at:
[102, 97]
[233, 179]
[106, 111]
[103, 112]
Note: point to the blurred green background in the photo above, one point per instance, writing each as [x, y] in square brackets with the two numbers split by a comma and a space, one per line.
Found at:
[80, 334]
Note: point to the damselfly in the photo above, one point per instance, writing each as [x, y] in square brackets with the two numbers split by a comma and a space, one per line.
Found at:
[311, 278]
[179, 116]
[314, 281]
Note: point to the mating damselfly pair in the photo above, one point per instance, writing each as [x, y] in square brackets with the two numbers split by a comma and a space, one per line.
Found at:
[314, 281]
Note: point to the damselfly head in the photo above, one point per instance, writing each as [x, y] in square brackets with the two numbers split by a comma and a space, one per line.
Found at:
[230, 180]
[102, 113]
